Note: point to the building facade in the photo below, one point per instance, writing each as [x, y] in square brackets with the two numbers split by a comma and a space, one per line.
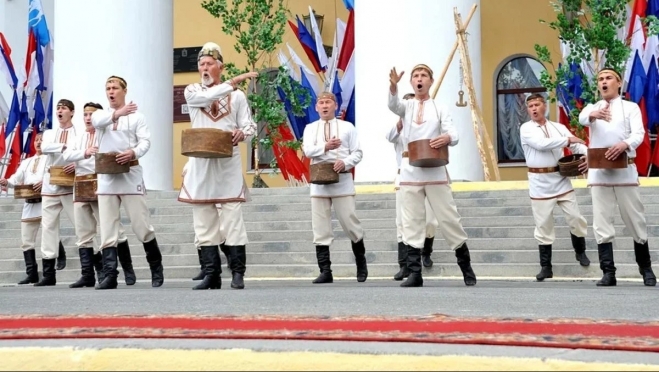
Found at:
[135, 39]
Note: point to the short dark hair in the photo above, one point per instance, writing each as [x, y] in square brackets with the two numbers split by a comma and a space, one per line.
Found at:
[408, 96]
[94, 105]
[66, 103]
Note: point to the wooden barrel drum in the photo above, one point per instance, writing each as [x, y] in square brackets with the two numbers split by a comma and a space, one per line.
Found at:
[59, 178]
[568, 166]
[596, 160]
[26, 192]
[424, 156]
[206, 143]
[85, 188]
[106, 163]
[323, 174]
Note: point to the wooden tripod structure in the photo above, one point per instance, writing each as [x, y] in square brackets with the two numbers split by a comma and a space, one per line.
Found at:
[482, 136]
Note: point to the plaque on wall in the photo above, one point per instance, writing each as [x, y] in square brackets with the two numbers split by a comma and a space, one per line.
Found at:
[185, 59]
[180, 108]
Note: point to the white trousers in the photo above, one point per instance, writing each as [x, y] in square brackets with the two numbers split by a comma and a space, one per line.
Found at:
[86, 222]
[51, 210]
[212, 230]
[431, 220]
[440, 198]
[543, 214]
[29, 231]
[109, 210]
[321, 219]
[631, 210]
[223, 235]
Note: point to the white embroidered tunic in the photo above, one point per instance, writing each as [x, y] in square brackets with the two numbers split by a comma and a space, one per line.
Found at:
[52, 146]
[422, 120]
[84, 166]
[543, 147]
[29, 172]
[218, 180]
[129, 132]
[626, 125]
[315, 136]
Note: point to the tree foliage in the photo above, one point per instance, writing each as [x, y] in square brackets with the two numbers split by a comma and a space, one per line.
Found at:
[591, 31]
[258, 27]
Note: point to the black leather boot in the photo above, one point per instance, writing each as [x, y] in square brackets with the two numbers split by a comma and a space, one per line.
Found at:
[464, 261]
[227, 254]
[154, 258]
[359, 251]
[110, 272]
[31, 267]
[324, 264]
[238, 261]
[415, 279]
[61, 257]
[87, 278]
[642, 253]
[427, 250]
[212, 268]
[98, 266]
[545, 262]
[202, 272]
[579, 245]
[404, 272]
[126, 262]
[607, 265]
[48, 277]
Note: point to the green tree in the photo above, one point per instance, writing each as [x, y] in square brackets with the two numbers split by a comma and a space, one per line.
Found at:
[258, 27]
[590, 29]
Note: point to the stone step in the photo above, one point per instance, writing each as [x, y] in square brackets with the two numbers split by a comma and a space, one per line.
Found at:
[190, 258]
[187, 235]
[343, 245]
[570, 270]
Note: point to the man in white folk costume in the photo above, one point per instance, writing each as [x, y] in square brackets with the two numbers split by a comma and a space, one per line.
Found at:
[86, 212]
[30, 172]
[431, 222]
[56, 199]
[543, 142]
[617, 125]
[211, 181]
[330, 140]
[122, 129]
[424, 119]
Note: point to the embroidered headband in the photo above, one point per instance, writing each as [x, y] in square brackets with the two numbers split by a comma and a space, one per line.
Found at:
[92, 106]
[422, 66]
[117, 79]
[610, 71]
[326, 95]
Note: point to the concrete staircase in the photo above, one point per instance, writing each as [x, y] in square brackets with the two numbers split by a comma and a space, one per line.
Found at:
[499, 225]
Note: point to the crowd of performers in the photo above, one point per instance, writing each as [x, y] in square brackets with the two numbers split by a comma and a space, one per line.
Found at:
[216, 188]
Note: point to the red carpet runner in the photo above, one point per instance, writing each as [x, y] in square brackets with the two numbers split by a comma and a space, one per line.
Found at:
[563, 333]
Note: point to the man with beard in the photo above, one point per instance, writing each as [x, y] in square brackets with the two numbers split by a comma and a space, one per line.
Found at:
[618, 126]
[424, 119]
[431, 222]
[56, 199]
[543, 143]
[30, 172]
[212, 181]
[86, 212]
[330, 140]
[122, 129]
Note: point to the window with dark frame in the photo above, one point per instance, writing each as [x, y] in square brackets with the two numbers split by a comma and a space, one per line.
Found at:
[517, 79]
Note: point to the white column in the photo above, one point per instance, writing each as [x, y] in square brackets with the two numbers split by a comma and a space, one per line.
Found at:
[128, 38]
[391, 33]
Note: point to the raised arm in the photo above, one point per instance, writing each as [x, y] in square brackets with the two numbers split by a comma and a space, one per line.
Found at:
[101, 118]
[396, 105]
[540, 143]
[244, 117]
[356, 154]
[310, 149]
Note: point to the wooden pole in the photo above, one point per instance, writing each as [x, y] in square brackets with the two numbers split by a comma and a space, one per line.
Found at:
[476, 115]
[452, 54]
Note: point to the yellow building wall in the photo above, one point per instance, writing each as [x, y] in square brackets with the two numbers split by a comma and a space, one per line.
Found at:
[510, 27]
[194, 26]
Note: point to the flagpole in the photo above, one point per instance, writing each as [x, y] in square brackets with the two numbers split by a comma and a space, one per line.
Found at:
[6, 159]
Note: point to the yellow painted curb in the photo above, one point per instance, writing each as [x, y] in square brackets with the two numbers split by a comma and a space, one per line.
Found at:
[490, 186]
[70, 359]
